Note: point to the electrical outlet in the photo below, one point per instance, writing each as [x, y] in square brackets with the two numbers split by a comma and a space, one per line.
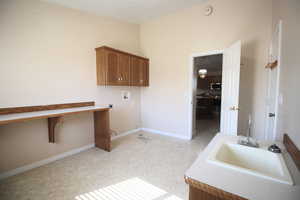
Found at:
[125, 95]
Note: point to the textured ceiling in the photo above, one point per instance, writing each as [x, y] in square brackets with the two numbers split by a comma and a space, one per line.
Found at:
[135, 11]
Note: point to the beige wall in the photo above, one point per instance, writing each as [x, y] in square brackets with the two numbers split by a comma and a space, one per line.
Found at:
[47, 52]
[169, 42]
[47, 56]
[288, 12]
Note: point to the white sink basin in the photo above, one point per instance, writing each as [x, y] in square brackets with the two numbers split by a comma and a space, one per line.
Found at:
[254, 161]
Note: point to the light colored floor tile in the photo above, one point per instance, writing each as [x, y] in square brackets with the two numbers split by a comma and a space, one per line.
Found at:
[150, 165]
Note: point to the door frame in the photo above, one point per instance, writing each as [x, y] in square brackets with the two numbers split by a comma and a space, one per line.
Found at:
[274, 134]
[192, 87]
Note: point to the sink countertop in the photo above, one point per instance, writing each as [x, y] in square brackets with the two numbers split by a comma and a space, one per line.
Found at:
[242, 184]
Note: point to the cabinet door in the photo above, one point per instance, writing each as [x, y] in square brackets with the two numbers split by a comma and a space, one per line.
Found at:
[115, 67]
[144, 72]
[123, 69]
[134, 71]
[139, 72]
[101, 67]
[112, 68]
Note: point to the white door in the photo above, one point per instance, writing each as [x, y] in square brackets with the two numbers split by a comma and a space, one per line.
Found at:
[230, 89]
[273, 86]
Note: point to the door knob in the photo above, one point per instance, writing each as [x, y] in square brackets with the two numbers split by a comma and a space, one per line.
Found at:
[271, 114]
[233, 108]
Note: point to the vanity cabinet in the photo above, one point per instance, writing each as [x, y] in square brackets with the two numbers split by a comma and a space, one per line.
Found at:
[119, 68]
[202, 191]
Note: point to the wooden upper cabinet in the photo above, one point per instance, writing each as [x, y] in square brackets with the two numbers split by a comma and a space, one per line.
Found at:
[112, 71]
[145, 73]
[124, 69]
[139, 72]
[134, 71]
[115, 67]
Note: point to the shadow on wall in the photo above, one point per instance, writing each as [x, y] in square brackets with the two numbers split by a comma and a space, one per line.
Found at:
[247, 81]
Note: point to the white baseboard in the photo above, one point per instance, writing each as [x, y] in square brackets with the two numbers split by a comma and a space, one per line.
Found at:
[165, 133]
[57, 157]
[151, 131]
[126, 133]
[78, 150]
[44, 162]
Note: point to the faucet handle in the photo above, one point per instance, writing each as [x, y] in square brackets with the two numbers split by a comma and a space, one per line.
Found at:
[248, 141]
[274, 148]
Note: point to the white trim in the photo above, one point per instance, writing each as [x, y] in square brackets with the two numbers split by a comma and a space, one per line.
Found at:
[190, 102]
[57, 157]
[78, 150]
[44, 162]
[274, 134]
[126, 133]
[165, 133]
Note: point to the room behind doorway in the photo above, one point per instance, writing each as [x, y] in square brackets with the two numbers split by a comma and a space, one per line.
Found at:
[207, 99]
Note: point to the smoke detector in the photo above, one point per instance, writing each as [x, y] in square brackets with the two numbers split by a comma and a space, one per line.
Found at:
[208, 10]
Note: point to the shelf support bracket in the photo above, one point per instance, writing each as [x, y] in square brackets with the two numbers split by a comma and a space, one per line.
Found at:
[52, 122]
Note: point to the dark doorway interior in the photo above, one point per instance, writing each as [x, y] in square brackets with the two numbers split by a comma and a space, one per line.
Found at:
[208, 94]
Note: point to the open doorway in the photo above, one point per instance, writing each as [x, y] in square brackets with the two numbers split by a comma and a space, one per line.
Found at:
[218, 107]
[208, 94]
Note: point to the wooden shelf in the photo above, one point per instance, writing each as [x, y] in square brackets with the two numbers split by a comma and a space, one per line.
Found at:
[101, 119]
[21, 117]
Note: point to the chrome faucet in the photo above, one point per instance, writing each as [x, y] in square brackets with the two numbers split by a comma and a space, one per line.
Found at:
[248, 140]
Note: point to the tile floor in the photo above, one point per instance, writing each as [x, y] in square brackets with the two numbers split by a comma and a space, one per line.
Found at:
[141, 166]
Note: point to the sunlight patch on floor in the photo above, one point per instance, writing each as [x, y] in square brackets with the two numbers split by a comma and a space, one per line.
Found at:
[131, 189]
